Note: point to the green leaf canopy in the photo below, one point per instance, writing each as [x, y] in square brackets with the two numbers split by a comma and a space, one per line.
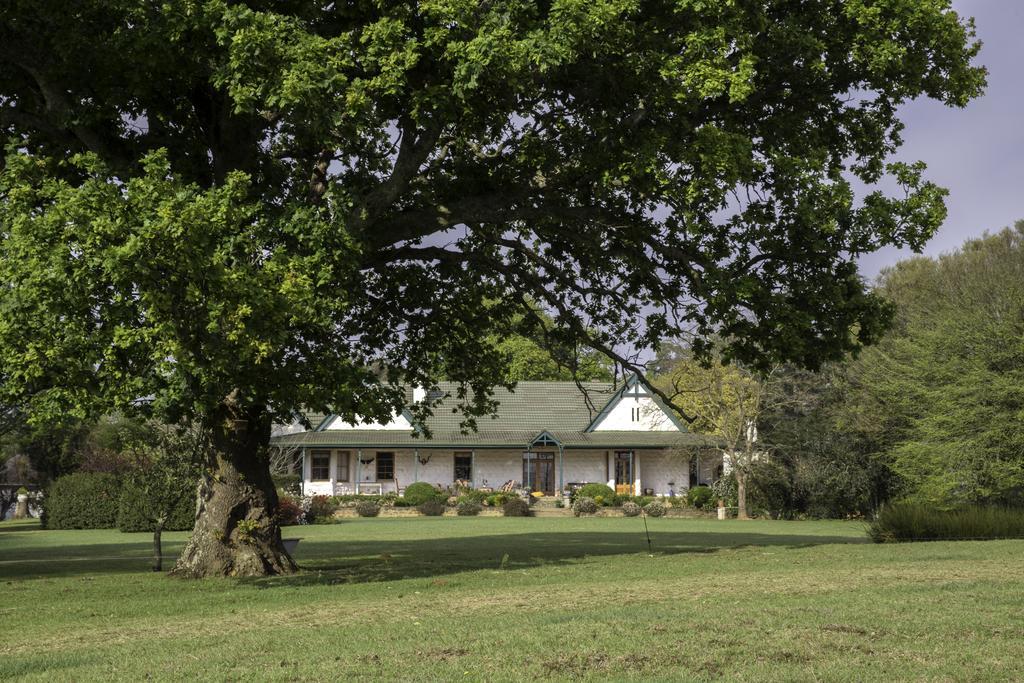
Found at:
[318, 203]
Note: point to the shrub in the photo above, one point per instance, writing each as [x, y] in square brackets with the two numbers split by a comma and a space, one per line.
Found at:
[367, 508]
[914, 522]
[655, 509]
[599, 500]
[289, 512]
[499, 499]
[516, 507]
[584, 505]
[724, 489]
[431, 508]
[630, 509]
[350, 500]
[84, 500]
[421, 492]
[770, 490]
[593, 491]
[133, 510]
[474, 495]
[321, 509]
[289, 483]
[559, 503]
[700, 497]
[468, 508]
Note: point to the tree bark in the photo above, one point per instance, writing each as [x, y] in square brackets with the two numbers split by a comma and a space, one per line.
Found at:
[158, 553]
[741, 494]
[236, 531]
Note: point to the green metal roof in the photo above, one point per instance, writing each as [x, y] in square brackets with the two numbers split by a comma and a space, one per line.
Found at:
[516, 438]
[558, 408]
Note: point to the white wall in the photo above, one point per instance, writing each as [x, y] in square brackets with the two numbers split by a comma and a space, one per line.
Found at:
[664, 471]
[493, 467]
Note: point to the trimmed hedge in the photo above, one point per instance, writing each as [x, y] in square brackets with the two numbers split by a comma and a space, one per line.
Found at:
[468, 508]
[516, 507]
[431, 508]
[83, 500]
[132, 513]
[420, 492]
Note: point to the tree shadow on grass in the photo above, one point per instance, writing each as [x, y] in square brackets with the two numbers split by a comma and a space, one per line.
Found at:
[20, 525]
[346, 562]
[128, 557]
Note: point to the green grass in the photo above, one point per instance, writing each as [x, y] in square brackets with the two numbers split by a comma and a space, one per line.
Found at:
[520, 599]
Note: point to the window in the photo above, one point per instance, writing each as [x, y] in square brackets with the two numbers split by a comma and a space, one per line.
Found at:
[464, 466]
[342, 474]
[320, 466]
[385, 466]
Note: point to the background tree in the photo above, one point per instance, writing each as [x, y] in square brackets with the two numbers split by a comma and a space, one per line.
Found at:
[164, 466]
[226, 212]
[728, 402]
[825, 449]
[536, 350]
[940, 399]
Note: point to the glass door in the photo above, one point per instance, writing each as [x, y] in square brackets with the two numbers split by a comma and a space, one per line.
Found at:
[624, 472]
[539, 472]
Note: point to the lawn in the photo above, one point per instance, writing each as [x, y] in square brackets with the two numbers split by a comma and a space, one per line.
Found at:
[520, 599]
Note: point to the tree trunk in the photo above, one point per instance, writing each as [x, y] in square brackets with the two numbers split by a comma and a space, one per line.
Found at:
[236, 531]
[741, 494]
[158, 552]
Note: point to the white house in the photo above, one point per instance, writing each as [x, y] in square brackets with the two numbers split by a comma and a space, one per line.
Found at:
[547, 437]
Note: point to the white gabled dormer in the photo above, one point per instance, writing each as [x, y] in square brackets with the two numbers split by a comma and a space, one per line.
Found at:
[634, 408]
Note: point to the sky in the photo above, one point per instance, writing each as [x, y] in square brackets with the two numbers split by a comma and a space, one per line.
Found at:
[977, 153]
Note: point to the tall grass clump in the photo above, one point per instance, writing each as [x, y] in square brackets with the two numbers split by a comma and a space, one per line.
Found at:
[915, 522]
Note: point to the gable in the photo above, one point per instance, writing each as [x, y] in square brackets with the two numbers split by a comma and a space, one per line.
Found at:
[635, 409]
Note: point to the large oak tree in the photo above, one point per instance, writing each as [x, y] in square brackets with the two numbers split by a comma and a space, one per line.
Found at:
[225, 211]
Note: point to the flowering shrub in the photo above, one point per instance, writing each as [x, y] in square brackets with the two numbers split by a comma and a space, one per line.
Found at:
[321, 508]
[655, 509]
[475, 495]
[498, 499]
[289, 512]
[630, 509]
[593, 491]
[725, 490]
[584, 505]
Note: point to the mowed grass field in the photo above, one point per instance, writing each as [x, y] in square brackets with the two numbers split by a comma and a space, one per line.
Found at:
[444, 599]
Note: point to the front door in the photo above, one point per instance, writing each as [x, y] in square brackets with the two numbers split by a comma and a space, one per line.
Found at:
[624, 472]
[539, 472]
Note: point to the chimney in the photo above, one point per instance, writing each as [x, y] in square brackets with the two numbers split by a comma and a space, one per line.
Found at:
[418, 394]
